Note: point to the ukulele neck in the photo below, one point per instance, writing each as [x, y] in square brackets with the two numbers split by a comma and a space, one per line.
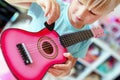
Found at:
[73, 38]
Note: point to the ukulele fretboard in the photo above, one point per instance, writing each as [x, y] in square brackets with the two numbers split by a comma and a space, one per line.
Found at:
[72, 38]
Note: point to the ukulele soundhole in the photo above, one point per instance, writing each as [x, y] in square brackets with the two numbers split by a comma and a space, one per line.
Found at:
[47, 47]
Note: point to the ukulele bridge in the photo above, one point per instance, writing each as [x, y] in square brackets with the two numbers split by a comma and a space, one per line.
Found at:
[24, 53]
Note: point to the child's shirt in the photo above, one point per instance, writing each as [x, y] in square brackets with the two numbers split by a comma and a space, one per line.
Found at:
[62, 26]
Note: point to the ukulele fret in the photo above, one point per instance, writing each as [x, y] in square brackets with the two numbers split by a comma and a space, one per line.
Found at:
[24, 53]
[87, 36]
[81, 35]
[90, 33]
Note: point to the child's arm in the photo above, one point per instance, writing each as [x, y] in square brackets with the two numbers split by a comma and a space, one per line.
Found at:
[63, 69]
[21, 3]
[50, 7]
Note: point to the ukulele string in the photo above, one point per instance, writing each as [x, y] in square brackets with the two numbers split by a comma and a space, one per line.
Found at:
[33, 47]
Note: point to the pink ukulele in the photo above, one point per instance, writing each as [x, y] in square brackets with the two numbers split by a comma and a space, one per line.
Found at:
[29, 55]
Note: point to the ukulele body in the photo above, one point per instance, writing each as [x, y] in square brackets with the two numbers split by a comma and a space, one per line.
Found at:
[42, 48]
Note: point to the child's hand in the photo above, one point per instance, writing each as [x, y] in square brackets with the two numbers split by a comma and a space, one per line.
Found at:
[63, 69]
[51, 9]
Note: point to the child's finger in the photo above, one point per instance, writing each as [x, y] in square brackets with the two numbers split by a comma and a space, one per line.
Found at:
[55, 72]
[68, 56]
[54, 13]
[48, 7]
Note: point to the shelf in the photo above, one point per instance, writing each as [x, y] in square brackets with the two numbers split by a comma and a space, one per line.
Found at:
[106, 48]
[93, 76]
[96, 63]
[68, 78]
[99, 72]
[105, 54]
[114, 73]
[100, 60]
[84, 62]
[84, 74]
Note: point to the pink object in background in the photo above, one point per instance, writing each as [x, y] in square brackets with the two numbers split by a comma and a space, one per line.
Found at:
[67, 0]
[7, 76]
[5, 73]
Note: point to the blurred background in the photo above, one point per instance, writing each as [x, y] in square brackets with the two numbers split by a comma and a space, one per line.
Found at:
[102, 61]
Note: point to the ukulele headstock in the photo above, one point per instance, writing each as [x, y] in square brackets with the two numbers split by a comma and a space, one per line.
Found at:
[97, 31]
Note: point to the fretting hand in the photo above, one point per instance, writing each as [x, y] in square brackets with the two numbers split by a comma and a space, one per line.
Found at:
[63, 69]
[50, 7]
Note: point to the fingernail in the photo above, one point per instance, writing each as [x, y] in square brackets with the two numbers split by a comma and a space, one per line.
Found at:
[54, 66]
[48, 22]
[45, 14]
[65, 54]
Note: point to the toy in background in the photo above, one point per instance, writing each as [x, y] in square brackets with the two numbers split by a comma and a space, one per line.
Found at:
[78, 69]
[93, 76]
[108, 65]
[111, 24]
[93, 53]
